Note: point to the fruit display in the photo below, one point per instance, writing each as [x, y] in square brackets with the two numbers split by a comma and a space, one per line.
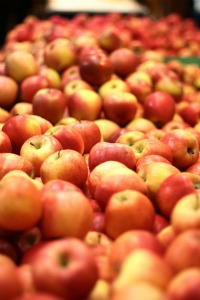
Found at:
[99, 159]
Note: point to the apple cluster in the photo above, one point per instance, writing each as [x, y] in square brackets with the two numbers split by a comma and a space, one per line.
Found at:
[99, 159]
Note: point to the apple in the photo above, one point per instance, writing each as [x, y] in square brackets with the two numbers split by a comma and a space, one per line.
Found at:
[9, 281]
[140, 290]
[98, 221]
[185, 285]
[50, 104]
[181, 260]
[19, 128]
[5, 143]
[18, 68]
[117, 133]
[30, 85]
[124, 61]
[166, 236]
[185, 214]
[114, 182]
[113, 85]
[89, 132]
[84, 104]
[24, 273]
[28, 238]
[9, 91]
[160, 222]
[140, 84]
[44, 123]
[129, 137]
[122, 209]
[155, 134]
[170, 86]
[37, 148]
[129, 241]
[156, 270]
[106, 127]
[120, 107]
[154, 174]
[175, 124]
[68, 137]
[171, 190]
[65, 164]
[59, 54]
[68, 263]
[96, 174]
[104, 151]
[75, 85]
[95, 67]
[184, 147]
[4, 115]
[62, 204]
[149, 158]
[147, 146]
[21, 108]
[20, 208]
[109, 39]
[141, 124]
[101, 290]
[12, 161]
[53, 76]
[153, 108]
[69, 74]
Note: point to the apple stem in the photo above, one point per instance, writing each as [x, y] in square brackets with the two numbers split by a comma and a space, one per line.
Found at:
[197, 202]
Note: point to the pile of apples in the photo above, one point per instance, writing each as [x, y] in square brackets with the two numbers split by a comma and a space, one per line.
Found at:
[99, 159]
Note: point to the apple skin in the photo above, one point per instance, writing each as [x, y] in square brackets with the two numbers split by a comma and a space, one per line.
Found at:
[112, 86]
[68, 262]
[149, 158]
[68, 137]
[157, 271]
[49, 103]
[95, 67]
[120, 107]
[166, 236]
[160, 222]
[147, 146]
[184, 147]
[53, 76]
[19, 128]
[17, 217]
[89, 132]
[9, 281]
[171, 190]
[20, 108]
[141, 124]
[109, 39]
[107, 127]
[186, 214]
[114, 182]
[5, 143]
[185, 285]
[170, 86]
[30, 85]
[11, 161]
[69, 74]
[62, 204]
[65, 164]
[75, 85]
[129, 241]
[18, 68]
[153, 108]
[37, 148]
[104, 151]
[59, 54]
[180, 260]
[9, 91]
[121, 210]
[84, 104]
[124, 61]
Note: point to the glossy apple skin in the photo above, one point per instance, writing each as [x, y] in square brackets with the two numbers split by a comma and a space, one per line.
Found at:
[104, 151]
[19, 128]
[9, 91]
[69, 264]
[95, 67]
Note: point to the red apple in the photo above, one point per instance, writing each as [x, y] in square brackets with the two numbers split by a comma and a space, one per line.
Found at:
[66, 164]
[84, 104]
[120, 107]
[95, 67]
[5, 143]
[75, 85]
[19, 128]
[37, 148]
[114, 85]
[31, 84]
[124, 61]
[104, 151]
[109, 39]
[21, 108]
[153, 108]
[50, 104]
[9, 91]
[68, 263]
